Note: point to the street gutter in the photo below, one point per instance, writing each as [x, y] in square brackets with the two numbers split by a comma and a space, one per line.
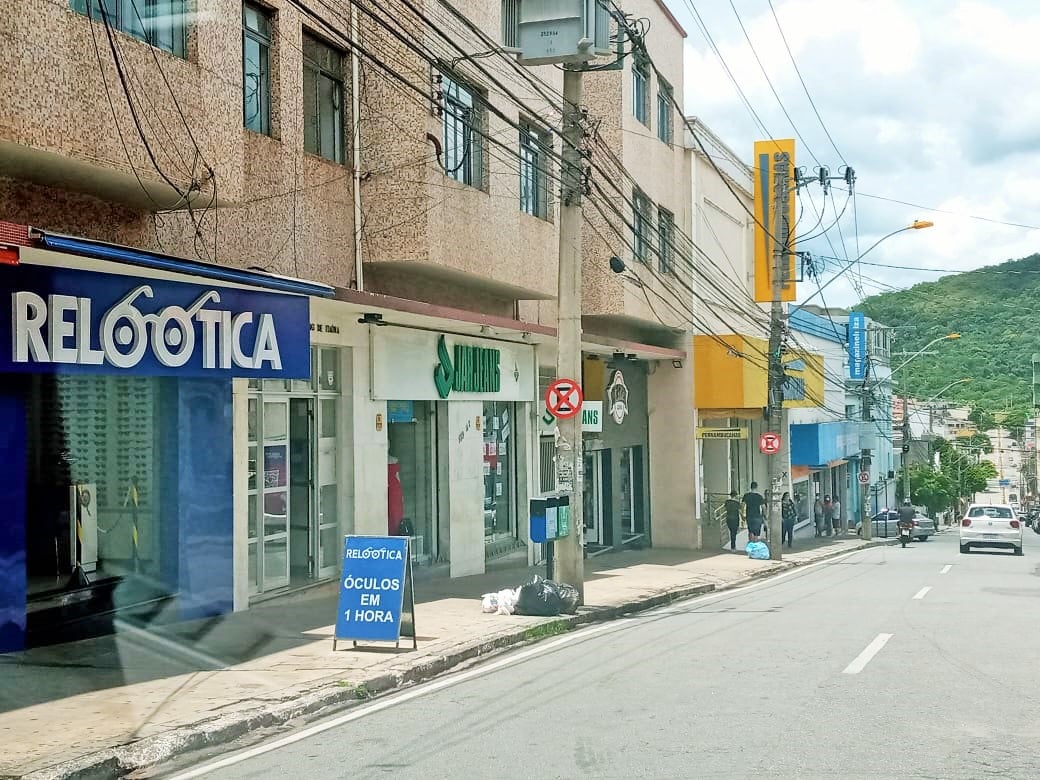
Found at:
[331, 696]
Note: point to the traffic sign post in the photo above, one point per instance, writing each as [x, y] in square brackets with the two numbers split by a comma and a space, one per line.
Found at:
[563, 399]
[769, 443]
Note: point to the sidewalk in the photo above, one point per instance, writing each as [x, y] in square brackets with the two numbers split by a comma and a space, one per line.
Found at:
[134, 699]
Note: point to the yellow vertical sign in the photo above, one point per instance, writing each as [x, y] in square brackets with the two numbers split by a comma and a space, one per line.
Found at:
[768, 156]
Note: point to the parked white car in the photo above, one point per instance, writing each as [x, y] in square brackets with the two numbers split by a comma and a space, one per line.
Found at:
[986, 525]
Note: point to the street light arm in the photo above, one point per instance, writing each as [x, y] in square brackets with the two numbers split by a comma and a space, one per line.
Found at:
[918, 225]
[921, 351]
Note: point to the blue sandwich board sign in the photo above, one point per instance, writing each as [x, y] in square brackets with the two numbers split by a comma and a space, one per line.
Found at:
[375, 591]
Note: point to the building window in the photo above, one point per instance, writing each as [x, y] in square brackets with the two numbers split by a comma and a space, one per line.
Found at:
[665, 241]
[641, 89]
[256, 70]
[534, 171]
[463, 124]
[664, 111]
[162, 23]
[641, 226]
[322, 99]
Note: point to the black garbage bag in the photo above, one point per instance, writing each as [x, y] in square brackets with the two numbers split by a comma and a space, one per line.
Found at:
[539, 598]
[568, 598]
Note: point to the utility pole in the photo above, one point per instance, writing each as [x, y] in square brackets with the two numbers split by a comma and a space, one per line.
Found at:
[777, 327]
[570, 550]
[866, 526]
[1036, 426]
[906, 447]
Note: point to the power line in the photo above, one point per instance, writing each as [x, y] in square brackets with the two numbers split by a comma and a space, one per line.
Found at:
[804, 86]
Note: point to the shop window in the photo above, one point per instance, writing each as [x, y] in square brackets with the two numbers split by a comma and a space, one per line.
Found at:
[124, 474]
[499, 427]
[411, 470]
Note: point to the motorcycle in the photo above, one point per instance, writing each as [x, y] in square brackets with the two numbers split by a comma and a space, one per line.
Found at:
[904, 532]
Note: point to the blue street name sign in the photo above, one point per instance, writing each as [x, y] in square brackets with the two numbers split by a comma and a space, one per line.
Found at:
[372, 588]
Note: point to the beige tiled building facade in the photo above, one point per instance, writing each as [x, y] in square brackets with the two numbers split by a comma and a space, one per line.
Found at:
[426, 196]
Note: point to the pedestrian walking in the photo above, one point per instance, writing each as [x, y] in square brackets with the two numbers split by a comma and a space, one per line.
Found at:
[828, 515]
[818, 516]
[733, 518]
[789, 514]
[753, 511]
[836, 518]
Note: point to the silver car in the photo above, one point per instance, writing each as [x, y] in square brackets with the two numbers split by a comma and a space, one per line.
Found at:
[886, 525]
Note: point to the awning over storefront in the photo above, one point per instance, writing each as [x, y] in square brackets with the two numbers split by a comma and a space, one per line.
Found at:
[823, 445]
[731, 376]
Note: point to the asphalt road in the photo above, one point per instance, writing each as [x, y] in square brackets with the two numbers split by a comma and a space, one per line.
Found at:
[791, 678]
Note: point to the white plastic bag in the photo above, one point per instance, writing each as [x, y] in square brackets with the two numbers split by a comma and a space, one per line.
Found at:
[507, 601]
[489, 603]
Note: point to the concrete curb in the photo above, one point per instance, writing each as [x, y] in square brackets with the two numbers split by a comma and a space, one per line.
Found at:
[329, 697]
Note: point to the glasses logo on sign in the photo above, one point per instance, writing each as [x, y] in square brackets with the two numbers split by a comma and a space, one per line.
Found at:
[58, 330]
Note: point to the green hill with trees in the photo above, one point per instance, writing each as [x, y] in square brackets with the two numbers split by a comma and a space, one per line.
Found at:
[995, 309]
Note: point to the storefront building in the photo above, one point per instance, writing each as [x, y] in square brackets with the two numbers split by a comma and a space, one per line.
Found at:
[616, 469]
[730, 399]
[117, 430]
[459, 440]
[827, 453]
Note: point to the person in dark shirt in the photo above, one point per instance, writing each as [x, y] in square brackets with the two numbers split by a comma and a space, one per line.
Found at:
[789, 514]
[754, 505]
[733, 518]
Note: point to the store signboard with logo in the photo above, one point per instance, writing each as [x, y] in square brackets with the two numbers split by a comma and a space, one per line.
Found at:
[591, 418]
[425, 365]
[65, 320]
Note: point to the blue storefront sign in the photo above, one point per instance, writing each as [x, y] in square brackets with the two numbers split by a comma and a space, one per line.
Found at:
[857, 346]
[372, 588]
[817, 444]
[64, 320]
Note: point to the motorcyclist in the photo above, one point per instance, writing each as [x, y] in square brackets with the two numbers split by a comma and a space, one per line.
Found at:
[907, 514]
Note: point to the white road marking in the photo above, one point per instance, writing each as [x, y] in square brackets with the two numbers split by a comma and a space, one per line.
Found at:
[946, 568]
[922, 592]
[864, 658]
[453, 679]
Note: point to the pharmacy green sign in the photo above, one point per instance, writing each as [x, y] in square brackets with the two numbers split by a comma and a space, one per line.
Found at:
[467, 369]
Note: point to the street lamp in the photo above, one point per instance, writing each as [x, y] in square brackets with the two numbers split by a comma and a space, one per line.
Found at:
[917, 224]
[929, 345]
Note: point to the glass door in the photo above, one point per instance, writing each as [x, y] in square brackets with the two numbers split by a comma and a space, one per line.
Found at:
[628, 493]
[592, 498]
[275, 540]
[327, 486]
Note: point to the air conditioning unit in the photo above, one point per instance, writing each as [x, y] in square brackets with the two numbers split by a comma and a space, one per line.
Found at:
[545, 32]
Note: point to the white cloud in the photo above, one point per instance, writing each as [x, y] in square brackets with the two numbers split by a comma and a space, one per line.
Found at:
[932, 102]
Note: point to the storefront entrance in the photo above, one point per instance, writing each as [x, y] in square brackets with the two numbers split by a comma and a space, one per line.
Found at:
[293, 477]
[412, 475]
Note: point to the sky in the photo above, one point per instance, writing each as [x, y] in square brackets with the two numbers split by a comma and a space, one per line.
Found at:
[934, 102]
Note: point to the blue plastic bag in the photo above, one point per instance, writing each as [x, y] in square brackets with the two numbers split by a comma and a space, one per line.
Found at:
[758, 550]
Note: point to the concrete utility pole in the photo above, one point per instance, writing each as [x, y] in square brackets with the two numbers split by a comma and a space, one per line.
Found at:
[866, 526]
[570, 550]
[906, 448]
[777, 328]
[1036, 425]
